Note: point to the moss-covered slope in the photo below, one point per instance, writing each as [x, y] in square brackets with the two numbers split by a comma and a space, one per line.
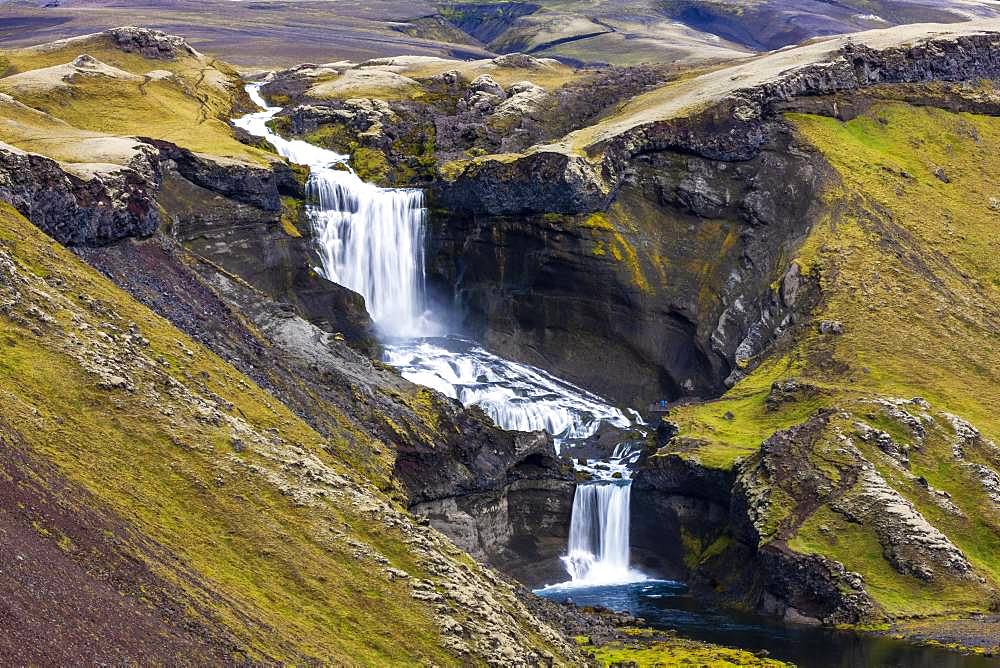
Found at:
[80, 100]
[894, 471]
[254, 539]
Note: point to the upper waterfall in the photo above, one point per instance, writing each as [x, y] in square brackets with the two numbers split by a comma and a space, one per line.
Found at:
[369, 239]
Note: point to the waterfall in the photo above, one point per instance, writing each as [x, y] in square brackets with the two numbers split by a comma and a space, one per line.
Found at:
[369, 239]
[598, 551]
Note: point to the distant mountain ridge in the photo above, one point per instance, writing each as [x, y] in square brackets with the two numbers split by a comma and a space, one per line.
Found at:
[264, 33]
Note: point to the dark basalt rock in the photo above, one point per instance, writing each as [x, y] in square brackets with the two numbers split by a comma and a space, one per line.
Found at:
[508, 504]
[111, 205]
[246, 184]
[699, 525]
[538, 183]
[561, 291]
[150, 43]
[673, 498]
[248, 241]
[511, 243]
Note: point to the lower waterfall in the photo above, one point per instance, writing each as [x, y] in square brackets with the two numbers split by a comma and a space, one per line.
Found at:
[598, 550]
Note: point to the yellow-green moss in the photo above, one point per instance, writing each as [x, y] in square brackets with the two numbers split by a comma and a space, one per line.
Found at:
[291, 214]
[618, 246]
[188, 108]
[675, 652]
[370, 164]
[858, 549]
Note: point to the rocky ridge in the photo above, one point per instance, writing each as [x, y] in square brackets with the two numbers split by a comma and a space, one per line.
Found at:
[741, 523]
[109, 206]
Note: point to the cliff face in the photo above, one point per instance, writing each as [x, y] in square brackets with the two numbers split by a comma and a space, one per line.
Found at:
[99, 208]
[851, 476]
[510, 509]
[669, 284]
[557, 254]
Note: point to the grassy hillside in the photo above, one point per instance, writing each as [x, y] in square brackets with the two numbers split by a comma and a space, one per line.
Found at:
[73, 110]
[245, 518]
[908, 262]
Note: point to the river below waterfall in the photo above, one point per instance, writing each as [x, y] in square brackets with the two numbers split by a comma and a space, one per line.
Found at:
[668, 605]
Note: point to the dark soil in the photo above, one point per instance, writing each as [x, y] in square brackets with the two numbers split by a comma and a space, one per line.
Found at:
[72, 590]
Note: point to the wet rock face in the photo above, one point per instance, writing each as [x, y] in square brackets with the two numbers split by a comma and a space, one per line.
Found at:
[520, 529]
[675, 502]
[248, 240]
[671, 287]
[504, 497]
[111, 205]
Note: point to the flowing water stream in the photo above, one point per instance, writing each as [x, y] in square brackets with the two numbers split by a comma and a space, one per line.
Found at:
[371, 240]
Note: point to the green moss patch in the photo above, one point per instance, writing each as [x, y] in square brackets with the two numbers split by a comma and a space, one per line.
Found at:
[674, 652]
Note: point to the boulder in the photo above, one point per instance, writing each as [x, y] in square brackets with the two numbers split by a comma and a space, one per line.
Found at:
[150, 43]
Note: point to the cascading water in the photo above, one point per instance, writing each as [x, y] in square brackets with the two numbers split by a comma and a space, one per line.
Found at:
[599, 535]
[370, 240]
[516, 396]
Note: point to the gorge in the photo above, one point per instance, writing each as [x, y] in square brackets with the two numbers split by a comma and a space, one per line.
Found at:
[712, 346]
[371, 240]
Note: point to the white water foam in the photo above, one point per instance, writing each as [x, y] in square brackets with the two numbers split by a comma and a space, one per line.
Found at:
[598, 550]
[516, 396]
